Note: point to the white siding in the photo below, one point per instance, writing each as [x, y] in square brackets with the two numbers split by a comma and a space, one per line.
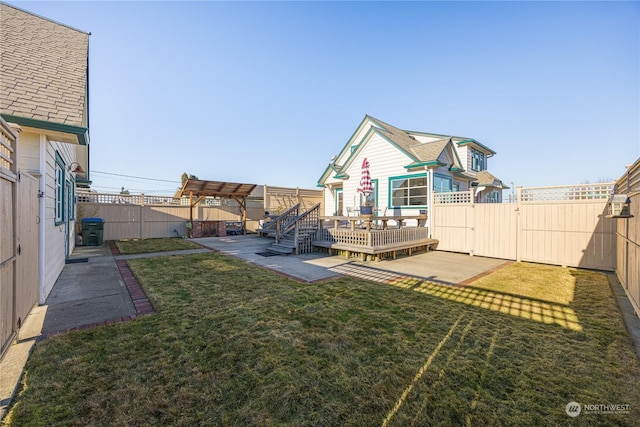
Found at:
[29, 159]
[385, 161]
[54, 239]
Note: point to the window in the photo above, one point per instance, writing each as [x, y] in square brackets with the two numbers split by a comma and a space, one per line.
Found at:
[442, 183]
[339, 201]
[477, 160]
[71, 194]
[59, 190]
[493, 197]
[409, 191]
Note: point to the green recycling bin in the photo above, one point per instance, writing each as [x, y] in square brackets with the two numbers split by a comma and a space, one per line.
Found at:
[92, 231]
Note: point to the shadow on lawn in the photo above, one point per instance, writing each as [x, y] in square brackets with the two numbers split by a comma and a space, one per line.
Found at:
[512, 304]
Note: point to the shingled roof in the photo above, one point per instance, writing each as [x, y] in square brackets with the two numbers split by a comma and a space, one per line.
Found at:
[486, 179]
[422, 152]
[43, 69]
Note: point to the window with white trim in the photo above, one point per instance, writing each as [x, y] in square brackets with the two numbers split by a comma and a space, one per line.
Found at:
[409, 191]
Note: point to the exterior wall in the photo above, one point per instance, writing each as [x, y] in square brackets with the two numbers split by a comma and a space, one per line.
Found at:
[56, 236]
[465, 157]
[385, 161]
[329, 202]
[29, 159]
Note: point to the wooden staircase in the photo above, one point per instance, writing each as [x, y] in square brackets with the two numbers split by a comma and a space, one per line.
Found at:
[271, 228]
[294, 234]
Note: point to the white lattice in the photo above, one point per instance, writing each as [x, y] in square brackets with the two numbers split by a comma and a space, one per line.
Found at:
[567, 192]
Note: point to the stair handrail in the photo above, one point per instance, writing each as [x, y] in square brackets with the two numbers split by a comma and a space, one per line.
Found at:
[284, 219]
[308, 219]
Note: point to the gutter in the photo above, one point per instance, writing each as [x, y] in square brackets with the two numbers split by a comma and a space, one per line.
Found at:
[42, 219]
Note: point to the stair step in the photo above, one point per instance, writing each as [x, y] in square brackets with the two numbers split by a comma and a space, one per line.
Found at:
[280, 249]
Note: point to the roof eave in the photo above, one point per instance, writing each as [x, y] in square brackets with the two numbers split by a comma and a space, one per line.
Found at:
[473, 141]
[81, 133]
[424, 164]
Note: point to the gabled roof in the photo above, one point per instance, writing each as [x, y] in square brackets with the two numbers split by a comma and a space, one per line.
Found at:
[485, 179]
[420, 153]
[44, 68]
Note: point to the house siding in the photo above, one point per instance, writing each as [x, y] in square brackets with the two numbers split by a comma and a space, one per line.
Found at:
[389, 153]
[29, 159]
[386, 161]
[54, 248]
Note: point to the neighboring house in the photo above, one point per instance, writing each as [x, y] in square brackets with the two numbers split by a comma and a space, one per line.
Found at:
[44, 68]
[406, 168]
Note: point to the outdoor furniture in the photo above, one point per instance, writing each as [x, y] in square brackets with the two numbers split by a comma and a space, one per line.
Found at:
[367, 221]
[234, 228]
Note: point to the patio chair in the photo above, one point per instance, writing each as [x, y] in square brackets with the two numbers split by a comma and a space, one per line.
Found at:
[377, 224]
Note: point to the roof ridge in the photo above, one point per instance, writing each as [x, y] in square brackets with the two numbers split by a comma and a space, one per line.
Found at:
[44, 18]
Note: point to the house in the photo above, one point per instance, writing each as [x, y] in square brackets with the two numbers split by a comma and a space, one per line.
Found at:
[406, 169]
[44, 94]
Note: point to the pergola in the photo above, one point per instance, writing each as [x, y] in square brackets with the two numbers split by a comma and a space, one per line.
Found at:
[199, 189]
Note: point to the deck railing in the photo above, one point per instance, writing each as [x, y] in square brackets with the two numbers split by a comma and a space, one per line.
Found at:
[285, 220]
[373, 238]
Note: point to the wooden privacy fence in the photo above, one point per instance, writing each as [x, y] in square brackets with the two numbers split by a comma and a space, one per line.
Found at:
[140, 216]
[628, 237]
[279, 199]
[18, 239]
[132, 221]
[562, 225]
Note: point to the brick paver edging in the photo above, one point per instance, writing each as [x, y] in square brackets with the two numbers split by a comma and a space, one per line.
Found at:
[138, 297]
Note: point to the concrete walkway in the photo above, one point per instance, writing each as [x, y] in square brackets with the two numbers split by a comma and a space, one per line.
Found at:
[442, 267]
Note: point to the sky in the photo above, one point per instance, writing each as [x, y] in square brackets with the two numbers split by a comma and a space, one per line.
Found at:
[267, 92]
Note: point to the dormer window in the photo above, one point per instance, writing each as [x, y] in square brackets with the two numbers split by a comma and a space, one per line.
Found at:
[477, 160]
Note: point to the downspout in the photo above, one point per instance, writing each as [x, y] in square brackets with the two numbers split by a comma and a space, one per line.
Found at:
[430, 201]
[42, 198]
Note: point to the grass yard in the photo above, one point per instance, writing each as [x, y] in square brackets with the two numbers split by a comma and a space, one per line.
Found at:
[136, 246]
[233, 344]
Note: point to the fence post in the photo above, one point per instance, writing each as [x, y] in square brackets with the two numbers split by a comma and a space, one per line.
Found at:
[471, 215]
[518, 223]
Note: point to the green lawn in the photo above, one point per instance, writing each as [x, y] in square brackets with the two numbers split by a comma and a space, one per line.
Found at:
[234, 344]
[136, 246]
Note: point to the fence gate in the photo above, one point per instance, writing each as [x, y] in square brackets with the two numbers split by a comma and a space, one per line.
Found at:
[8, 255]
[27, 271]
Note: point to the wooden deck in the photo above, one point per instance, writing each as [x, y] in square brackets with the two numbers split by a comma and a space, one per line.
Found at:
[371, 242]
